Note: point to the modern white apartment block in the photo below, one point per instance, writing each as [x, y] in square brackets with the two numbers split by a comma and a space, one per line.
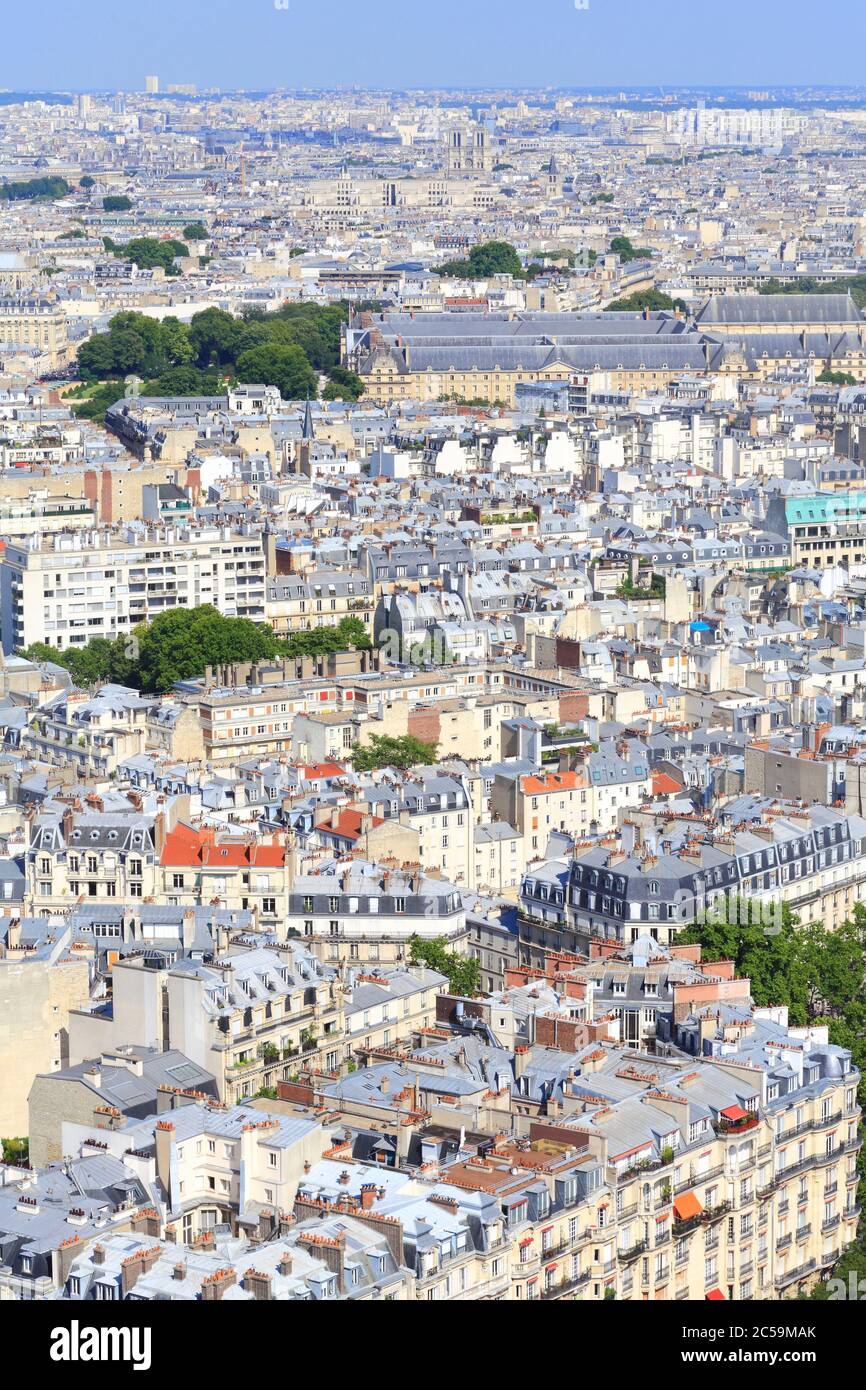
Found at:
[64, 589]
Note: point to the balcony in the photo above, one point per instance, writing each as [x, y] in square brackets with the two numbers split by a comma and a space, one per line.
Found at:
[731, 1128]
[564, 1289]
[695, 1178]
[632, 1252]
[791, 1275]
[828, 1119]
[716, 1213]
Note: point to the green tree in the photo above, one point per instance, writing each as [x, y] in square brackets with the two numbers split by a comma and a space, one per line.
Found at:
[116, 202]
[486, 259]
[401, 753]
[135, 342]
[149, 252]
[181, 642]
[287, 368]
[96, 356]
[214, 336]
[185, 381]
[129, 351]
[195, 231]
[463, 972]
[646, 299]
[15, 1150]
[837, 378]
[99, 662]
[623, 248]
[51, 187]
[343, 385]
[174, 342]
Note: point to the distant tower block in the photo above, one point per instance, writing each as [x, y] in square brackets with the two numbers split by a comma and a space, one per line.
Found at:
[151, 85]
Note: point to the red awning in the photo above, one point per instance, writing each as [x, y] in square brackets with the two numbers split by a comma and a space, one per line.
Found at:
[715, 1294]
[735, 1112]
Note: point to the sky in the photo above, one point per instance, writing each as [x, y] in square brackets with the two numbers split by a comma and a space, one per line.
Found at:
[255, 44]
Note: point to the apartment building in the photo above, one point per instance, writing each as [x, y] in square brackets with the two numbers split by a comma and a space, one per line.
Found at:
[68, 587]
[127, 1084]
[368, 914]
[500, 859]
[322, 598]
[807, 858]
[824, 529]
[249, 873]
[91, 854]
[730, 1176]
[39, 985]
[439, 808]
[335, 1258]
[50, 1218]
[33, 322]
[93, 736]
[264, 719]
[580, 803]
[387, 1006]
[247, 1017]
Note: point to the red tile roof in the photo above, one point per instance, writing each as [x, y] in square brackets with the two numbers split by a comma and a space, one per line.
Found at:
[186, 847]
[553, 782]
[663, 785]
[348, 826]
[311, 771]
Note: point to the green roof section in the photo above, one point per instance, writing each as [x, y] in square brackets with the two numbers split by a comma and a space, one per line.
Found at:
[823, 507]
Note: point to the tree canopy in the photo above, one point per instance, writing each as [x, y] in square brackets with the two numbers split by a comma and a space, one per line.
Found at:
[50, 187]
[135, 343]
[116, 202]
[148, 252]
[286, 349]
[287, 367]
[401, 753]
[486, 259]
[623, 248]
[646, 299]
[181, 642]
[463, 972]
